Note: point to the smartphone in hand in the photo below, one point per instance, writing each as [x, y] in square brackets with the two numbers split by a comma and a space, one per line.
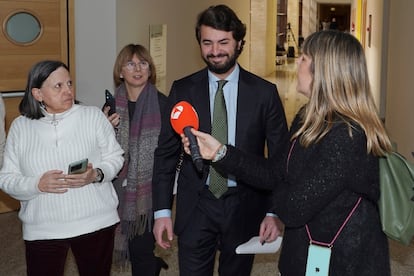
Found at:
[78, 166]
[109, 101]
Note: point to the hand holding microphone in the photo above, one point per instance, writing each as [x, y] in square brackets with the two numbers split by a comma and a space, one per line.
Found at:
[183, 118]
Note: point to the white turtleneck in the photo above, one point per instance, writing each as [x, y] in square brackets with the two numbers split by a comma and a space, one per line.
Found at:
[34, 147]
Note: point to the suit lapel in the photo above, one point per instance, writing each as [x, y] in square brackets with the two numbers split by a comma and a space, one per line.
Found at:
[244, 101]
[201, 100]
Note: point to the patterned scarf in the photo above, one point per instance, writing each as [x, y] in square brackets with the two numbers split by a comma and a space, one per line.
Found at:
[138, 139]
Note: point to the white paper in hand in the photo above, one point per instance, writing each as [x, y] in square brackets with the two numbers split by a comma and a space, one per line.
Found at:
[254, 246]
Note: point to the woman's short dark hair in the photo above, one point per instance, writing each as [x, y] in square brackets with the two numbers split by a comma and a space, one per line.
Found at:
[29, 106]
[221, 18]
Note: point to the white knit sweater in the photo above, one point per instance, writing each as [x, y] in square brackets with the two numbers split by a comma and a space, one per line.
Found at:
[34, 147]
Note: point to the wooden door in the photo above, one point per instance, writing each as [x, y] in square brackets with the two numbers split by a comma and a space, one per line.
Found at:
[32, 30]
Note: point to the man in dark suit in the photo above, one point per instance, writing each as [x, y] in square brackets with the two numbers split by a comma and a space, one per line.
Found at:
[205, 222]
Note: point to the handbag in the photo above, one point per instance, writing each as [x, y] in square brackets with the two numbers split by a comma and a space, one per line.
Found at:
[396, 203]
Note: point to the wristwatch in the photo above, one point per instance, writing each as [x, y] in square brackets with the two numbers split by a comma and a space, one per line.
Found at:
[99, 176]
[220, 153]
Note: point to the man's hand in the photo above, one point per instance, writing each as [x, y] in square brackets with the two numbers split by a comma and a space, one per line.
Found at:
[161, 225]
[270, 228]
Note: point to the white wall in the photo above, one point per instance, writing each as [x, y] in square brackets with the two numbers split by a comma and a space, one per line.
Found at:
[95, 49]
[103, 27]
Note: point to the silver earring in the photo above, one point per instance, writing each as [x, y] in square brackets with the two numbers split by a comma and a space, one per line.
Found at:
[42, 105]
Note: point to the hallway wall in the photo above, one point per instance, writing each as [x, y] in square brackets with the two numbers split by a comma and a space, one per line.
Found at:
[399, 76]
[376, 50]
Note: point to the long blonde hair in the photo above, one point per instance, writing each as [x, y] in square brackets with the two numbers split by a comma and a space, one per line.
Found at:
[340, 89]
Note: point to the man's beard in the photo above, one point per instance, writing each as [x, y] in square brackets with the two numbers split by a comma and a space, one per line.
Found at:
[221, 68]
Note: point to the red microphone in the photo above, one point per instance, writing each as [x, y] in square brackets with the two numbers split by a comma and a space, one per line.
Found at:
[183, 118]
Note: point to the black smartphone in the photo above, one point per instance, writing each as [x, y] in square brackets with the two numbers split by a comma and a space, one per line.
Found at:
[109, 101]
[78, 166]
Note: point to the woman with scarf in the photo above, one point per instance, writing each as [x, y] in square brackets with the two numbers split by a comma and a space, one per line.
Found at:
[137, 120]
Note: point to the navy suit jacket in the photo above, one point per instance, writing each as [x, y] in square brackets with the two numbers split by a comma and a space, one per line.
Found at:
[260, 120]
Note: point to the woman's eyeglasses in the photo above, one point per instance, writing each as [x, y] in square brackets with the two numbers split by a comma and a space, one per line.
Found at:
[132, 66]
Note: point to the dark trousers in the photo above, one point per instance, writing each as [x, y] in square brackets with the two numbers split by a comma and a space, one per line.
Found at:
[92, 253]
[141, 252]
[216, 226]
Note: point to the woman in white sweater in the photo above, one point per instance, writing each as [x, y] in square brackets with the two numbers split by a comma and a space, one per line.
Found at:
[60, 210]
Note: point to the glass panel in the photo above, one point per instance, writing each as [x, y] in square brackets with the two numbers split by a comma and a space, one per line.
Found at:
[23, 27]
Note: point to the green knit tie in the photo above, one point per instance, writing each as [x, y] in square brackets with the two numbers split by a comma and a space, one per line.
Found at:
[218, 183]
